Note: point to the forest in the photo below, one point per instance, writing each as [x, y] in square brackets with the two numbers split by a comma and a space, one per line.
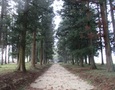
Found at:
[28, 34]
[85, 29]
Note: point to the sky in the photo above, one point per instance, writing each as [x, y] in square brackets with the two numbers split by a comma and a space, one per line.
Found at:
[57, 5]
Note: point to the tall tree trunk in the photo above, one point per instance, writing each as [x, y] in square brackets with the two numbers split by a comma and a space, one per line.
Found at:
[41, 52]
[77, 61]
[12, 54]
[89, 59]
[2, 60]
[1, 28]
[102, 60]
[5, 55]
[73, 62]
[37, 52]
[18, 50]
[100, 37]
[33, 50]
[81, 62]
[44, 53]
[110, 66]
[85, 59]
[93, 66]
[21, 64]
[92, 62]
[2, 16]
[9, 54]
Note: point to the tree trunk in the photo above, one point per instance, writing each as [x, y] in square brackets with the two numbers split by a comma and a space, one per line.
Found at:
[37, 52]
[2, 60]
[72, 60]
[110, 66]
[41, 52]
[44, 53]
[5, 55]
[36, 55]
[81, 62]
[2, 16]
[9, 54]
[102, 60]
[33, 50]
[12, 55]
[92, 62]
[101, 47]
[85, 59]
[89, 59]
[100, 37]
[93, 66]
[18, 50]
[77, 61]
[21, 64]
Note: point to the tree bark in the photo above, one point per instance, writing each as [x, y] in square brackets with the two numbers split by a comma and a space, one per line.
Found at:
[5, 55]
[93, 66]
[89, 59]
[44, 53]
[1, 25]
[41, 52]
[2, 61]
[21, 64]
[81, 62]
[92, 62]
[9, 54]
[85, 59]
[73, 62]
[100, 37]
[33, 50]
[110, 66]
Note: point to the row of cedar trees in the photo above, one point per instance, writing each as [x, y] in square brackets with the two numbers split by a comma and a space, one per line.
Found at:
[101, 7]
[28, 30]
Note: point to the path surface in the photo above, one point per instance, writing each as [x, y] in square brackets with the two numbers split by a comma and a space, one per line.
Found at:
[58, 78]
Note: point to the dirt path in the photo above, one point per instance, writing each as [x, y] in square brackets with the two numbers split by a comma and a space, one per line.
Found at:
[58, 78]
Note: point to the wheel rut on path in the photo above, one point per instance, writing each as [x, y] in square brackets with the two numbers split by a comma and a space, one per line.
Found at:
[58, 78]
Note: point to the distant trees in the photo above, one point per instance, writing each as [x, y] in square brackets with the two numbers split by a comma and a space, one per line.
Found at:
[4, 21]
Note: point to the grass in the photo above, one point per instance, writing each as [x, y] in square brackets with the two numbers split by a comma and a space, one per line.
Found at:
[100, 77]
[101, 70]
[6, 68]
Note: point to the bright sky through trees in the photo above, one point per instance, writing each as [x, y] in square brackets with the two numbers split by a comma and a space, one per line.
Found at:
[57, 5]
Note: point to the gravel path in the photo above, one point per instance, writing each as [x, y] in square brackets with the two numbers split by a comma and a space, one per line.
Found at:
[58, 78]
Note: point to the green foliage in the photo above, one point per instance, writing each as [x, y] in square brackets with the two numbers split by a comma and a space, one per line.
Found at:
[39, 19]
[77, 32]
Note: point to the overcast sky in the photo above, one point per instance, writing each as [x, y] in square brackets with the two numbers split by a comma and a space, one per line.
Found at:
[57, 5]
